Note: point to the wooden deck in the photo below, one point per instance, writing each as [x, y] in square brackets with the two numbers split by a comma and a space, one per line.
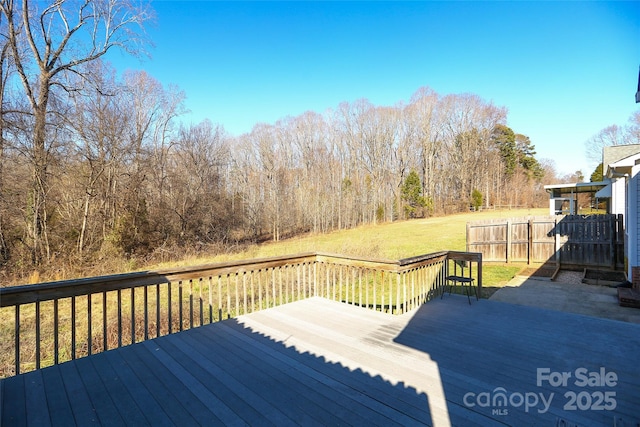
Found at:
[319, 362]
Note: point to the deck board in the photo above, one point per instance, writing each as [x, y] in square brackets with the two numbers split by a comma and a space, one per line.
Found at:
[319, 362]
[103, 381]
[81, 405]
[365, 406]
[135, 403]
[35, 400]
[57, 399]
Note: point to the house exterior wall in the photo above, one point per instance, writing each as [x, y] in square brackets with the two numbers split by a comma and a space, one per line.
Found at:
[634, 219]
[618, 196]
[632, 222]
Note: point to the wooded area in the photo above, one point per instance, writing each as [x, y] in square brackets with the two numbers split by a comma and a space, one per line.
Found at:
[97, 166]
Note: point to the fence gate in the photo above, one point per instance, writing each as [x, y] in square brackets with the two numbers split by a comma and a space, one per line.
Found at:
[575, 240]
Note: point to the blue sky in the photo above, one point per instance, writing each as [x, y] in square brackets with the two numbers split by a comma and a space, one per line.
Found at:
[564, 70]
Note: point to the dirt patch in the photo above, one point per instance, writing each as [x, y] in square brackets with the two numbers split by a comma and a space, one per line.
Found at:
[604, 277]
[542, 271]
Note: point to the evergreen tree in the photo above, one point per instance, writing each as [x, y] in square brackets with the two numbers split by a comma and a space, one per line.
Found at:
[597, 174]
[526, 152]
[412, 195]
[476, 199]
[505, 139]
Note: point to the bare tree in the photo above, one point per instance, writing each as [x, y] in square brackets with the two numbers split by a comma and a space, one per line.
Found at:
[99, 121]
[47, 42]
[611, 135]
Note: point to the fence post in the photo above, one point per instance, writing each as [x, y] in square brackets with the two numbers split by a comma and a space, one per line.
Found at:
[613, 245]
[530, 242]
[468, 234]
[508, 241]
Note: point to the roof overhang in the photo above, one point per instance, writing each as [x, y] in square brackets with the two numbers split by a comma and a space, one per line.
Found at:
[623, 166]
[578, 187]
[604, 193]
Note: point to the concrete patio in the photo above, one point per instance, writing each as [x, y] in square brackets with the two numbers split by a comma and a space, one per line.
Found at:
[566, 294]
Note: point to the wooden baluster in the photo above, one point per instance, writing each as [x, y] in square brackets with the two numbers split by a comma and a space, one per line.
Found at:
[133, 315]
[37, 334]
[244, 293]
[89, 329]
[259, 289]
[169, 310]
[190, 303]
[105, 335]
[17, 338]
[73, 327]
[158, 319]
[146, 312]
[56, 332]
[210, 299]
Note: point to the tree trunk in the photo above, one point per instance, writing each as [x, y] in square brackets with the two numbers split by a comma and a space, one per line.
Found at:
[39, 248]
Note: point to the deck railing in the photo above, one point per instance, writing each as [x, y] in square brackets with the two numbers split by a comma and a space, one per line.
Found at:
[49, 323]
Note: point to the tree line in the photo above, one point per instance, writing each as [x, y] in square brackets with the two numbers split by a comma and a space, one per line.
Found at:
[610, 136]
[96, 165]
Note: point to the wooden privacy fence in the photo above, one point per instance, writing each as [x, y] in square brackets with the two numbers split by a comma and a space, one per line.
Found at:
[50, 323]
[571, 240]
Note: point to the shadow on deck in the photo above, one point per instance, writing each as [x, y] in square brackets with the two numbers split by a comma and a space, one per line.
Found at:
[319, 362]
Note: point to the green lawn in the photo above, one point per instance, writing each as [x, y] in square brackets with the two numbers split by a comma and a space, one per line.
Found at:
[394, 241]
